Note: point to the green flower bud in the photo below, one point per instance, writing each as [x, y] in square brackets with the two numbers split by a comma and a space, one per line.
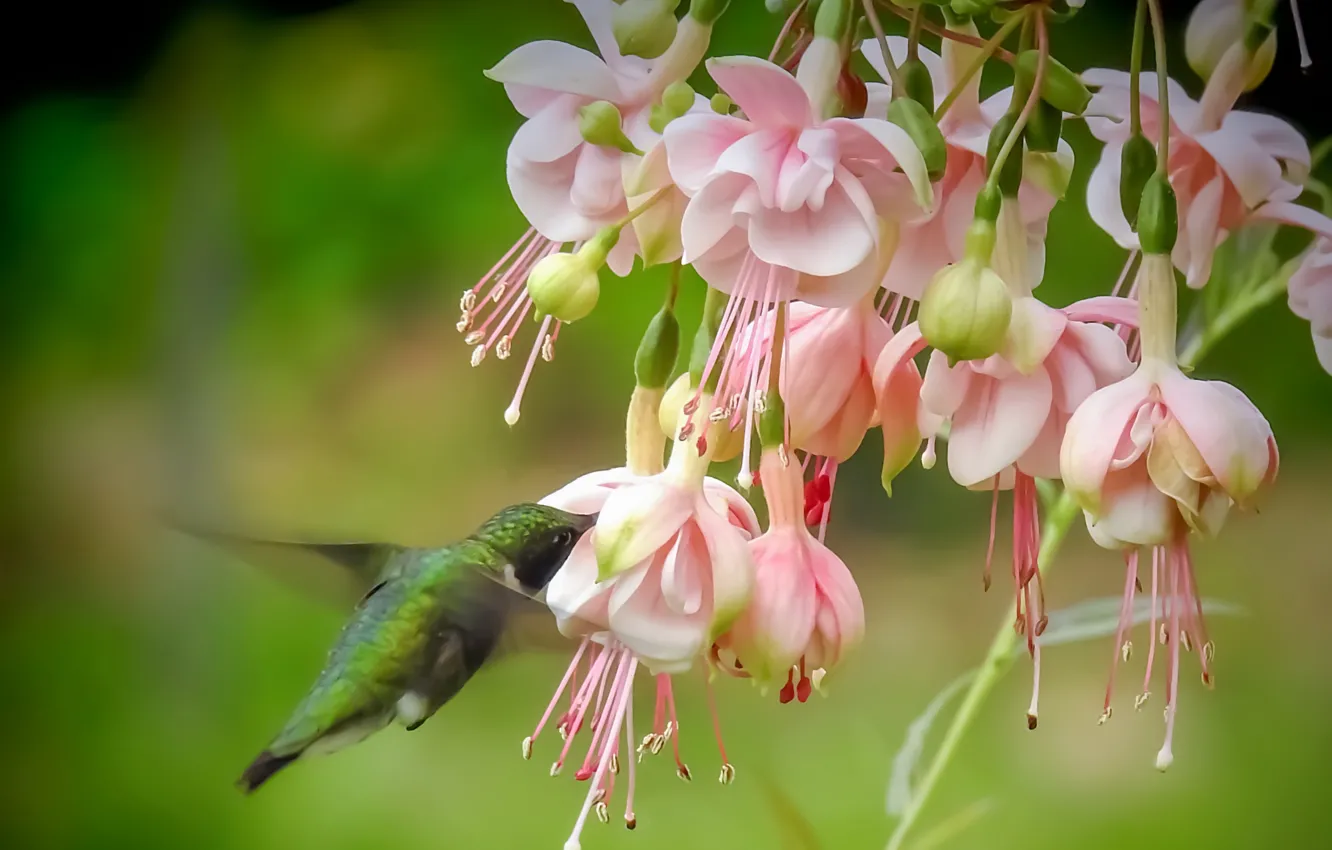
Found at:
[989, 203]
[833, 19]
[1044, 128]
[599, 123]
[970, 8]
[965, 311]
[1060, 87]
[657, 353]
[920, 125]
[644, 28]
[721, 104]
[565, 285]
[707, 11]
[916, 82]
[1158, 216]
[678, 98]
[1010, 178]
[1137, 162]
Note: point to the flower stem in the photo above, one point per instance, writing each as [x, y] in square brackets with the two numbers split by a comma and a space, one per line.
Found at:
[1162, 84]
[1135, 68]
[1033, 97]
[943, 32]
[988, 49]
[913, 33]
[1058, 520]
[875, 24]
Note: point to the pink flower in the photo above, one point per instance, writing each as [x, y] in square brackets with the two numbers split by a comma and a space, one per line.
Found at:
[827, 375]
[565, 186]
[778, 203]
[930, 242]
[1225, 166]
[806, 612]
[662, 575]
[1158, 449]
[1311, 297]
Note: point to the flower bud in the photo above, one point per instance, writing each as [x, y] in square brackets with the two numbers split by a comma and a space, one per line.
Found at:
[672, 403]
[966, 311]
[833, 19]
[971, 8]
[565, 285]
[1060, 87]
[1044, 127]
[707, 11]
[1137, 163]
[916, 82]
[678, 98]
[721, 104]
[644, 28]
[599, 124]
[1158, 216]
[1216, 25]
[659, 350]
[920, 125]
[1010, 178]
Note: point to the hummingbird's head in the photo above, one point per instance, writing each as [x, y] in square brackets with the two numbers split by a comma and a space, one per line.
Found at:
[535, 539]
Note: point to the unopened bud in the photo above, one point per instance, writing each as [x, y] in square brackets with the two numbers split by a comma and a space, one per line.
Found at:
[1137, 163]
[919, 124]
[678, 97]
[707, 11]
[599, 123]
[644, 28]
[1010, 176]
[833, 19]
[916, 82]
[965, 311]
[1158, 216]
[565, 285]
[658, 351]
[1060, 87]
[1044, 128]
[721, 104]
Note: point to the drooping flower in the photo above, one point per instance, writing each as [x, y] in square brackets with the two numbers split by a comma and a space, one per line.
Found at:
[778, 206]
[936, 239]
[806, 612]
[662, 575]
[1310, 292]
[1150, 459]
[1007, 416]
[1226, 167]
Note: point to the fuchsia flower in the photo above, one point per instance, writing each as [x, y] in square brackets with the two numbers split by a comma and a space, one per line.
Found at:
[662, 575]
[1151, 458]
[1226, 166]
[936, 239]
[806, 612]
[1008, 413]
[1311, 297]
[778, 203]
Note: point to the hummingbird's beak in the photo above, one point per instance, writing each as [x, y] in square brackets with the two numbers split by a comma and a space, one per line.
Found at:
[586, 522]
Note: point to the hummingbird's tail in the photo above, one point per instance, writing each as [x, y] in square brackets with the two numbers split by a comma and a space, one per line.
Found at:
[262, 768]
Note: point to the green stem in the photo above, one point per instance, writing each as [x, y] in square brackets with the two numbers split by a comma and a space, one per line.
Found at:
[1033, 97]
[1058, 520]
[1135, 68]
[875, 24]
[987, 50]
[943, 32]
[1162, 85]
[913, 32]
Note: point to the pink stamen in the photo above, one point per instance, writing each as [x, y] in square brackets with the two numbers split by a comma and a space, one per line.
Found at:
[1166, 755]
[786, 30]
[570, 675]
[658, 715]
[716, 721]
[602, 717]
[514, 410]
[630, 819]
[595, 677]
[828, 480]
[1151, 644]
[623, 691]
[994, 521]
[664, 681]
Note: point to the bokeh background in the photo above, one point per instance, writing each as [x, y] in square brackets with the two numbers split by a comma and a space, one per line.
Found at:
[233, 240]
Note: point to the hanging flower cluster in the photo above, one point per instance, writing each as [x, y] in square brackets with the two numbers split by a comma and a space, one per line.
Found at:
[872, 251]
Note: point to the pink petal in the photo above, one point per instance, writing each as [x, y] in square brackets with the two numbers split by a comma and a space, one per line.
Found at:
[1228, 430]
[906, 344]
[1093, 434]
[840, 436]
[996, 424]
[839, 290]
[1133, 512]
[710, 215]
[732, 568]
[550, 134]
[1033, 332]
[823, 364]
[732, 506]
[637, 521]
[766, 94]
[573, 594]
[945, 386]
[842, 615]
[598, 184]
[1102, 349]
[1072, 377]
[1202, 232]
[553, 66]
[921, 251]
[1104, 308]
[1323, 348]
[641, 619]
[759, 156]
[828, 242]
[1041, 460]
[1253, 171]
[1275, 136]
[773, 632]
[541, 192]
[695, 142]
[681, 579]
[887, 144]
[1296, 215]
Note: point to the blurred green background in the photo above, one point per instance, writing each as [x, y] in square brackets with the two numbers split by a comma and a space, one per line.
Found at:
[229, 288]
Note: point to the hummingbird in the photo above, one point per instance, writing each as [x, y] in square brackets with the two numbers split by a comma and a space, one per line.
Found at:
[429, 621]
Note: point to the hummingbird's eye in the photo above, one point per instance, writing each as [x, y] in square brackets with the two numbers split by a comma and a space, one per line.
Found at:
[564, 538]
